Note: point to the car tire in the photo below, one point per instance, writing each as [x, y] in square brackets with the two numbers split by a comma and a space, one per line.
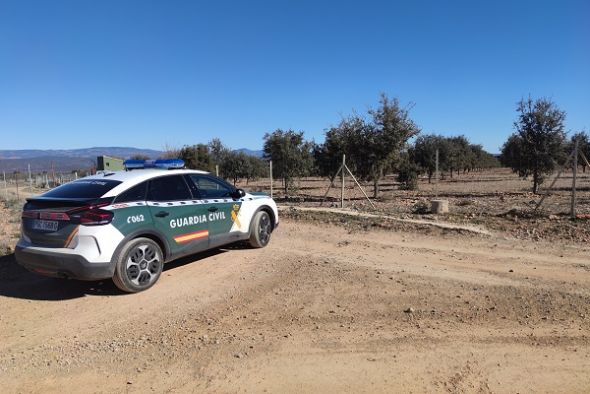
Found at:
[138, 265]
[260, 230]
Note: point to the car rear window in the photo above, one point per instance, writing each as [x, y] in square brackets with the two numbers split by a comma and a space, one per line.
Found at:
[136, 193]
[82, 188]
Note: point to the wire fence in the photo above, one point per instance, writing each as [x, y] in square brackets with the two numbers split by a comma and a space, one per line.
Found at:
[17, 185]
[493, 192]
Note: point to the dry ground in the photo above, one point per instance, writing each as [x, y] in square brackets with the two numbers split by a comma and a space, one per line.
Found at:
[496, 199]
[324, 308]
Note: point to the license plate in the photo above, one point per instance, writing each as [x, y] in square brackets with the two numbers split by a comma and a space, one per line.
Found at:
[45, 225]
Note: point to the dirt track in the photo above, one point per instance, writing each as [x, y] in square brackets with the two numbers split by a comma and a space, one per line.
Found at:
[319, 310]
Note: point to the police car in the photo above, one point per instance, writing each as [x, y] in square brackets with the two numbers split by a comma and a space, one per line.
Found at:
[125, 225]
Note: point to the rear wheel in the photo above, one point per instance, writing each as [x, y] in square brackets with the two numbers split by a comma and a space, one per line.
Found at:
[139, 265]
[260, 230]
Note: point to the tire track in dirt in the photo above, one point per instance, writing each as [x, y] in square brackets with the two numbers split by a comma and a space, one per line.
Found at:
[320, 309]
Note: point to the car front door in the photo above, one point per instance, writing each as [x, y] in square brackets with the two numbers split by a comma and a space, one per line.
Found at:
[222, 209]
[182, 218]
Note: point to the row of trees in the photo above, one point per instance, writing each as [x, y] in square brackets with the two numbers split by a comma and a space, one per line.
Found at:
[232, 165]
[374, 145]
[455, 154]
[379, 142]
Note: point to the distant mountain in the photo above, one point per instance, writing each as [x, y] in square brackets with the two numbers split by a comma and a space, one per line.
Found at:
[85, 152]
[250, 152]
[64, 160]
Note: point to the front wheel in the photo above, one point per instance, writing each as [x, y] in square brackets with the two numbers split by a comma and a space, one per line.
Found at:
[139, 265]
[260, 230]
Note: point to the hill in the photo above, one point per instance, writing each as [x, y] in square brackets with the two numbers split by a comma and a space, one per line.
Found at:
[64, 160]
[250, 152]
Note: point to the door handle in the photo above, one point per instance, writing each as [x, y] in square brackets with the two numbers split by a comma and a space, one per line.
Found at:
[162, 214]
[213, 209]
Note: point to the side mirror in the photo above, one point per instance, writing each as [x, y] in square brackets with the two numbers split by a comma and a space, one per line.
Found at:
[238, 193]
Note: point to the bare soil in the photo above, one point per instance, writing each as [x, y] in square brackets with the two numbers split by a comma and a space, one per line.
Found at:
[331, 305]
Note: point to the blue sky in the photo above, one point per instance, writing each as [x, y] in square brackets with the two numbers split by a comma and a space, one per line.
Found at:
[148, 74]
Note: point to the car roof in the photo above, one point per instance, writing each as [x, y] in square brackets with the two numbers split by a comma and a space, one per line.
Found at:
[131, 178]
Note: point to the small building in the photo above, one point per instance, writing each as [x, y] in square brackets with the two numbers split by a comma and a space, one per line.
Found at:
[108, 163]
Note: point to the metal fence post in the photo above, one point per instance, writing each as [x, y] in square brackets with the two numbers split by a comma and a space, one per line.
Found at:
[436, 174]
[30, 179]
[16, 181]
[342, 191]
[575, 173]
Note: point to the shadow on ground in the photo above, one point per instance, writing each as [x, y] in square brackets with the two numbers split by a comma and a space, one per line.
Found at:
[17, 282]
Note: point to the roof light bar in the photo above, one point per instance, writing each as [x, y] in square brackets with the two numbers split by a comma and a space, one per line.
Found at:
[166, 164]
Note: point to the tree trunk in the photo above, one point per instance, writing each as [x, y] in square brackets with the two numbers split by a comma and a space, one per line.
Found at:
[375, 188]
[535, 183]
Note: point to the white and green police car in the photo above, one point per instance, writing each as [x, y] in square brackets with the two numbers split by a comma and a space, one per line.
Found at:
[125, 225]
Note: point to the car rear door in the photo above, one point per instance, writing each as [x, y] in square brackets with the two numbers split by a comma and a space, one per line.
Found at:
[182, 218]
[222, 209]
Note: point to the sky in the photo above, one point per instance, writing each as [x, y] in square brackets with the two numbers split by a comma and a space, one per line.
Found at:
[156, 74]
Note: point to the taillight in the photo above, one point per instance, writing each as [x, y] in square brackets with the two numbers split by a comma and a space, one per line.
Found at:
[30, 214]
[54, 216]
[45, 215]
[93, 217]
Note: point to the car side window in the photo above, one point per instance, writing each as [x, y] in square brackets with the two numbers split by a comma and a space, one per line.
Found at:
[136, 193]
[168, 188]
[209, 187]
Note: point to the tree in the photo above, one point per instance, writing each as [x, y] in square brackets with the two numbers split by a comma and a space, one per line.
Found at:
[235, 165]
[257, 168]
[583, 147]
[196, 157]
[407, 174]
[424, 153]
[459, 154]
[218, 151]
[291, 155]
[348, 138]
[371, 145]
[392, 128]
[538, 143]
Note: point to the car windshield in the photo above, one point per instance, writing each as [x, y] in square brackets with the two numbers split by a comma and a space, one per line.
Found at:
[83, 188]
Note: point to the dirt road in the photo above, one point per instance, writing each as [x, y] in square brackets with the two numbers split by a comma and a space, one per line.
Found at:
[319, 310]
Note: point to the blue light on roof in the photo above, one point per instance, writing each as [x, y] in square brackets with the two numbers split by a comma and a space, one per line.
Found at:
[159, 163]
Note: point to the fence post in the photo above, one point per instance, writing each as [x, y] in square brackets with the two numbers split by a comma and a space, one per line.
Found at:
[5, 185]
[16, 181]
[342, 191]
[30, 179]
[575, 173]
[436, 175]
[216, 169]
[270, 168]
